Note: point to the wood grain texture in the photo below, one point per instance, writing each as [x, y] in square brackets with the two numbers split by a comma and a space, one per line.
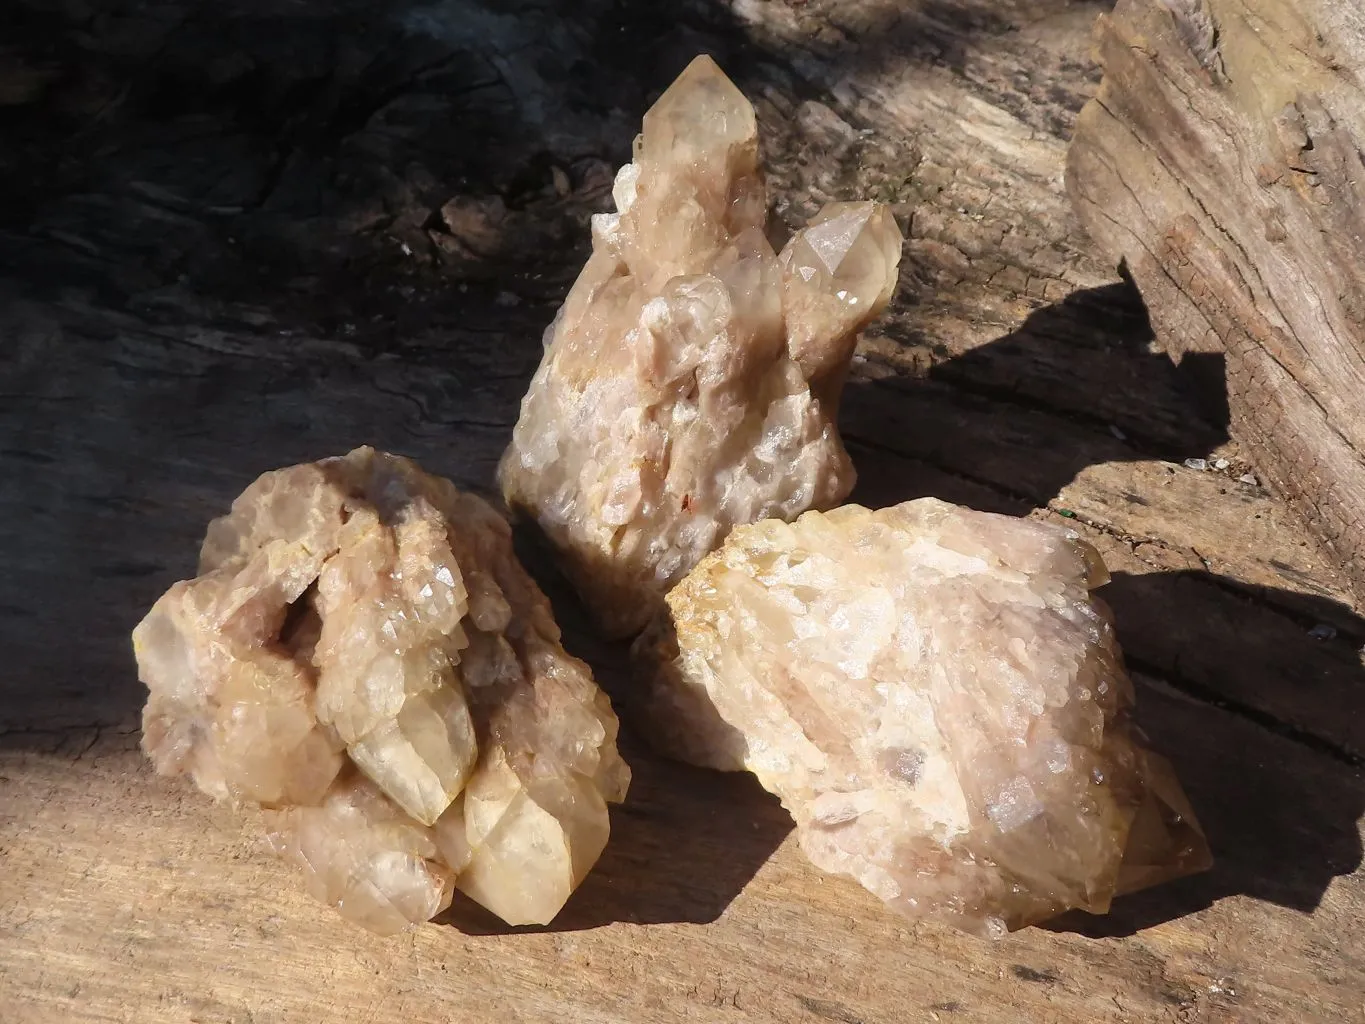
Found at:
[234, 237]
[1222, 160]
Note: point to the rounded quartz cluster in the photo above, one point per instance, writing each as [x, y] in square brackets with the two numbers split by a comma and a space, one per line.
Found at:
[362, 655]
[939, 702]
[691, 379]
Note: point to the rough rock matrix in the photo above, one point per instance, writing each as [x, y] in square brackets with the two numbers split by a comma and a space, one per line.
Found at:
[940, 704]
[691, 379]
[362, 656]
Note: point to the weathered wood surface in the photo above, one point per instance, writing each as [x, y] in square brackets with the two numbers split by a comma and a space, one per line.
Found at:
[223, 249]
[1222, 159]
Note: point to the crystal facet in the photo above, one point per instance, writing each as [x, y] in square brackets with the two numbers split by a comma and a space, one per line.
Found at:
[691, 379]
[939, 702]
[363, 656]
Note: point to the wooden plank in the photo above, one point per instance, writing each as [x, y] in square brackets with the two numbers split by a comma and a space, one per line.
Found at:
[199, 305]
[127, 897]
[1221, 157]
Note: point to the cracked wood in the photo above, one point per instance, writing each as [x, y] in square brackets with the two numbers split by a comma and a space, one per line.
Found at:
[233, 238]
[1221, 160]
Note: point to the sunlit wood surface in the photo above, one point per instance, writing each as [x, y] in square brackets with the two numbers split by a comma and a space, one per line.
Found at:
[222, 249]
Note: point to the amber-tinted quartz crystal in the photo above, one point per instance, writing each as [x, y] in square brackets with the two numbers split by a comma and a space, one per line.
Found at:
[690, 382]
[362, 655]
[940, 703]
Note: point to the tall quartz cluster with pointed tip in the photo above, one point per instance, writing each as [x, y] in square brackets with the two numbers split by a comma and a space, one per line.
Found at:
[362, 655]
[691, 379]
[939, 702]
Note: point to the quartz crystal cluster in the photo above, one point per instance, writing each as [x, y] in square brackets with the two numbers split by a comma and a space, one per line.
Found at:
[939, 702]
[362, 656]
[933, 692]
[691, 379]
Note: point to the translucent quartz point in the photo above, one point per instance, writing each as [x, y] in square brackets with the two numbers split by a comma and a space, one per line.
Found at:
[939, 702]
[691, 379]
[362, 655]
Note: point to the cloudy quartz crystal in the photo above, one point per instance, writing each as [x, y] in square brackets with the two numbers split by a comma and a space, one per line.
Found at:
[939, 702]
[691, 379]
[362, 655]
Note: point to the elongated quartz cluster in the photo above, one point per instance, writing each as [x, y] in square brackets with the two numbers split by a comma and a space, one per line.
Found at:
[691, 379]
[362, 655]
[939, 701]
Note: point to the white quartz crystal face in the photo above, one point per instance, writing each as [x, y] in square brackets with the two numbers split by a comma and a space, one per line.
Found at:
[691, 379]
[363, 656]
[939, 702]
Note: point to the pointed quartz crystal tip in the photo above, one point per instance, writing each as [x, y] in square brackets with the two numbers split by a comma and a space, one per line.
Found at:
[691, 379]
[363, 656]
[939, 702]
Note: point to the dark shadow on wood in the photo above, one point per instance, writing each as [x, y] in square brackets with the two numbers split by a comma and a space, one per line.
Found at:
[684, 844]
[1108, 325]
[686, 841]
[1281, 827]
[1076, 384]
[189, 158]
[1278, 834]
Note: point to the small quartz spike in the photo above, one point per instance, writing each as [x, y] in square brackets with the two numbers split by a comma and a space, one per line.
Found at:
[940, 703]
[362, 656]
[691, 379]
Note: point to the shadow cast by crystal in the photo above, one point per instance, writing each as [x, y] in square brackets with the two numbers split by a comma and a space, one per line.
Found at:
[684, 844]
[1280, 814]
[990, 415]
[686, 841]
